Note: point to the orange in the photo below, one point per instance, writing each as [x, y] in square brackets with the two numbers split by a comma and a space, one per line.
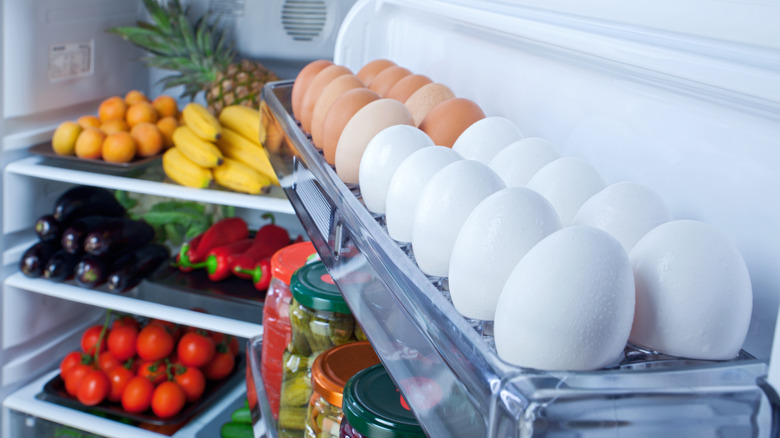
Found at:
[63, 142]
[165, 105]
[90, 143]
[114, 125]
[119, 147]
[135, 96]
[140, 112]
[148, 139]
[112, 108]
[88, 120]
[167, 125]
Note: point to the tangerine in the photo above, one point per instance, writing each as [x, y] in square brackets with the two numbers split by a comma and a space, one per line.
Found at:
[135, 96]
[89, 144]
[148, 139]
[167, 125]
[165, 106]
[63, 142]
[119, 147]
[140, 112]
[88, 120]
[114, 125]
[112, 108]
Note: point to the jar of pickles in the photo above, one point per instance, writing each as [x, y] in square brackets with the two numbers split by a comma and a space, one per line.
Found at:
[276, 315]
[320, 319]
[374, 408]
[329, 374]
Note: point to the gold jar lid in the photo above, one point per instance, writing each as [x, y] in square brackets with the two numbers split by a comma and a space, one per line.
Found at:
[334, 366]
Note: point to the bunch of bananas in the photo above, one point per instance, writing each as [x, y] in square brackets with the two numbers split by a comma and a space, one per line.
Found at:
[227, 149]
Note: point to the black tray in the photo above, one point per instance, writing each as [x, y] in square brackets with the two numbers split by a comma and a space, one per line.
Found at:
[54, 391]
[197, 281]
[72, 161]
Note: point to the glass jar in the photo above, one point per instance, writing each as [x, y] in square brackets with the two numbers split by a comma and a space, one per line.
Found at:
[276, 315]
[374, 408]
[329, 374]
[320, 319]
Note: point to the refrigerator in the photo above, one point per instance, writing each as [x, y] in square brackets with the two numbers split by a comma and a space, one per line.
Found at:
[682, 97]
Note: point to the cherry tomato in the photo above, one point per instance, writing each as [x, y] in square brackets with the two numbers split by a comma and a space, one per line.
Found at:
[174, 329]
[107, 361]
[70, 359]
[153, 370]
[195, 349]
[73, 377]
[220, 366]
[94, 388]
[137, 396]
[230, 340]
[119, 378]
[126, 320]
[122, 341]
[191, 380]
[168, 399]
[154, 342]
[90, 338]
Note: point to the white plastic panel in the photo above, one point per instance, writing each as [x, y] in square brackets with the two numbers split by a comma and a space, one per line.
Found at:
[693, 117]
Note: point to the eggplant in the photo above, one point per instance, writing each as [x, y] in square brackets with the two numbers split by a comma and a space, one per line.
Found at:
[60, 266]
[91, 270]
[130, 269]
[73, 237]
[118, 236]
[83, 201]
[36, 257]
[48, 228]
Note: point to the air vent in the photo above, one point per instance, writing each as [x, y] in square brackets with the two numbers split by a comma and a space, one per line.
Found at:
[304, 19]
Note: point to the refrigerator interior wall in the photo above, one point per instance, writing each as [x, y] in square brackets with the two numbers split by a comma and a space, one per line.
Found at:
[694, 116]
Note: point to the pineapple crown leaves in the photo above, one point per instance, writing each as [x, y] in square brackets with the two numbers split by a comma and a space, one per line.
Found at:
[174, 43]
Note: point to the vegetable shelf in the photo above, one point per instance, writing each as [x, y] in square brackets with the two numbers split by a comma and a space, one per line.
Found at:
[453, 380]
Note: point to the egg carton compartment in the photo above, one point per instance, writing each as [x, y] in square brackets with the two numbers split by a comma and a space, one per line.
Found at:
[448, 371]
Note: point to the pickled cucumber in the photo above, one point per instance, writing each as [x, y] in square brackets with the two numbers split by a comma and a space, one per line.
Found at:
[292, 418]
[296, 390]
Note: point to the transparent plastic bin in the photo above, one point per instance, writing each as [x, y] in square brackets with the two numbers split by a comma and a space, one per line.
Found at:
[453, 380]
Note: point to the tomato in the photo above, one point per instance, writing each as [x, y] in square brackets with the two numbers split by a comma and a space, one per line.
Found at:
[168, 399]
[119, 378]
[230, 340]
[107, 361]
[94, 388]
[220, 366]
[191, 380]
[174, 329]
[153, 370]
[122, 341]
[154, 342]
[70, 359]
[126, 320]
[73, 377]
[137, 396]
[90, 338]
[195, 349]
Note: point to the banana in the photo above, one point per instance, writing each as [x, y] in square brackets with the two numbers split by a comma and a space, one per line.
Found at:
[201, 121]
[203, 153]
[234, 145]
[245, 121]
[182, 170]
[239, 177]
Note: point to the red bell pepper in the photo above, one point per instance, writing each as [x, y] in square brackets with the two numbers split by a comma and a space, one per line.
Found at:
[182, 258]
[221, 233]
[272, 234]
[260, 274]
[268, 239]
[216, 264]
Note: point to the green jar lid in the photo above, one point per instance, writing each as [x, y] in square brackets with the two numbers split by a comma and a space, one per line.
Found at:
[313, 287]
[373, 406]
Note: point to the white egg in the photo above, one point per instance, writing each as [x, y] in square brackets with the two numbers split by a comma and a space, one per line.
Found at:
[406, 184]
[626, 210]
[383, 154]
[517, 162]
[493, 239]
[445, 202]
[568, 304]
[567, 183]
[693, 292]
[483, 138]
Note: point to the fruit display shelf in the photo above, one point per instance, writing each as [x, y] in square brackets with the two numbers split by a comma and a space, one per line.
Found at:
[454, 380]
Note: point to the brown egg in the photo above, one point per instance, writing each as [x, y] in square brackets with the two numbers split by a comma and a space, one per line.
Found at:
[407, 86]
[339, 114]
[447, 120]
[302, 82]
[333, 91]
[373, 68]
[316, 87]
[427, 97]
[388, 77]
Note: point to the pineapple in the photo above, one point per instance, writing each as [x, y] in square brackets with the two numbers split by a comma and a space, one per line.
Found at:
[201, 55]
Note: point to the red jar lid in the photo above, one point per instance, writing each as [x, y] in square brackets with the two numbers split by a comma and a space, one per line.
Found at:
[287, 260]
[333, 367]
